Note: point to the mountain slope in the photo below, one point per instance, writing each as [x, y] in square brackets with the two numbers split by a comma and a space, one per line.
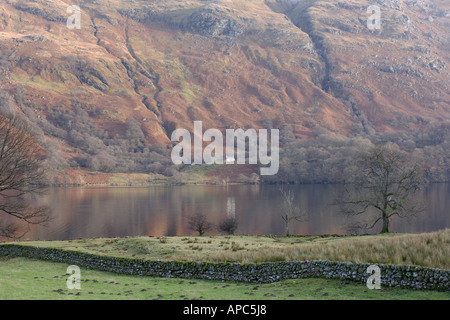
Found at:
[139, 69]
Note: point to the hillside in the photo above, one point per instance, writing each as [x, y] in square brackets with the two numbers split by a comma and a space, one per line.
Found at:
[136, 70]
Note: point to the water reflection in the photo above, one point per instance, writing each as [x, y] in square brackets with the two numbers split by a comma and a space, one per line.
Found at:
[164, 210]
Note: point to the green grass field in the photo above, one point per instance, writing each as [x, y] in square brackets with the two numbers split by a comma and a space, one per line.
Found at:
[25, 279]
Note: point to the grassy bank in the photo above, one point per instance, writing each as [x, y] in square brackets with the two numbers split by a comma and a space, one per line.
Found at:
[26, 279]
[427, 249]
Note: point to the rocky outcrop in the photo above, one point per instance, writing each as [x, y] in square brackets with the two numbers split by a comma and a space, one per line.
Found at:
[208, 23]
[52, 13]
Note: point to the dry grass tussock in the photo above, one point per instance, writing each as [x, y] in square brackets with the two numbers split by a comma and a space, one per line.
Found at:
[430, 249]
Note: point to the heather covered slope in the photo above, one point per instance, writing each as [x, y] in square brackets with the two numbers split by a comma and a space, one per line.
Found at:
[138, 69]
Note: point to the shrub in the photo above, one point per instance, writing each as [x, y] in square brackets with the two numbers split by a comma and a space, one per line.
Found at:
[199, 223]
[228, 225]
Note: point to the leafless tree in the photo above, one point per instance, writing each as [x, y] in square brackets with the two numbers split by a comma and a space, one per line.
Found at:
[199, 222]
[228, 225]
[386, 182]
[21, 175]
[289, 210]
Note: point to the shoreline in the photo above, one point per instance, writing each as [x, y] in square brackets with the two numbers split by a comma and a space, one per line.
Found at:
[82, 178]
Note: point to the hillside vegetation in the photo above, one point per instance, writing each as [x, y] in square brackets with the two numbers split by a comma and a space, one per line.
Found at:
[105, 98]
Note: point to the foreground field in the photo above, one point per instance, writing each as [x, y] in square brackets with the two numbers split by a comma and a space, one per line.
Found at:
[427, 249]
[26, 279]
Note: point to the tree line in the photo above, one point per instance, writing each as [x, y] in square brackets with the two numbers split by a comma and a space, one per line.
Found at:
[328, 158]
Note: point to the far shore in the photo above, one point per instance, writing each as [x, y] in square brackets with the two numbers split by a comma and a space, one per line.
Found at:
[200, 175]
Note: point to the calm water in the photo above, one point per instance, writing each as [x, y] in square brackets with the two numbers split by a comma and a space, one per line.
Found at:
[164, 210]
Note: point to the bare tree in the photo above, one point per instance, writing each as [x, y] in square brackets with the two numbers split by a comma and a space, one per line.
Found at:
[199, 222]
[21, 176]
[228, 225]
[289, 210]
[385, 182]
